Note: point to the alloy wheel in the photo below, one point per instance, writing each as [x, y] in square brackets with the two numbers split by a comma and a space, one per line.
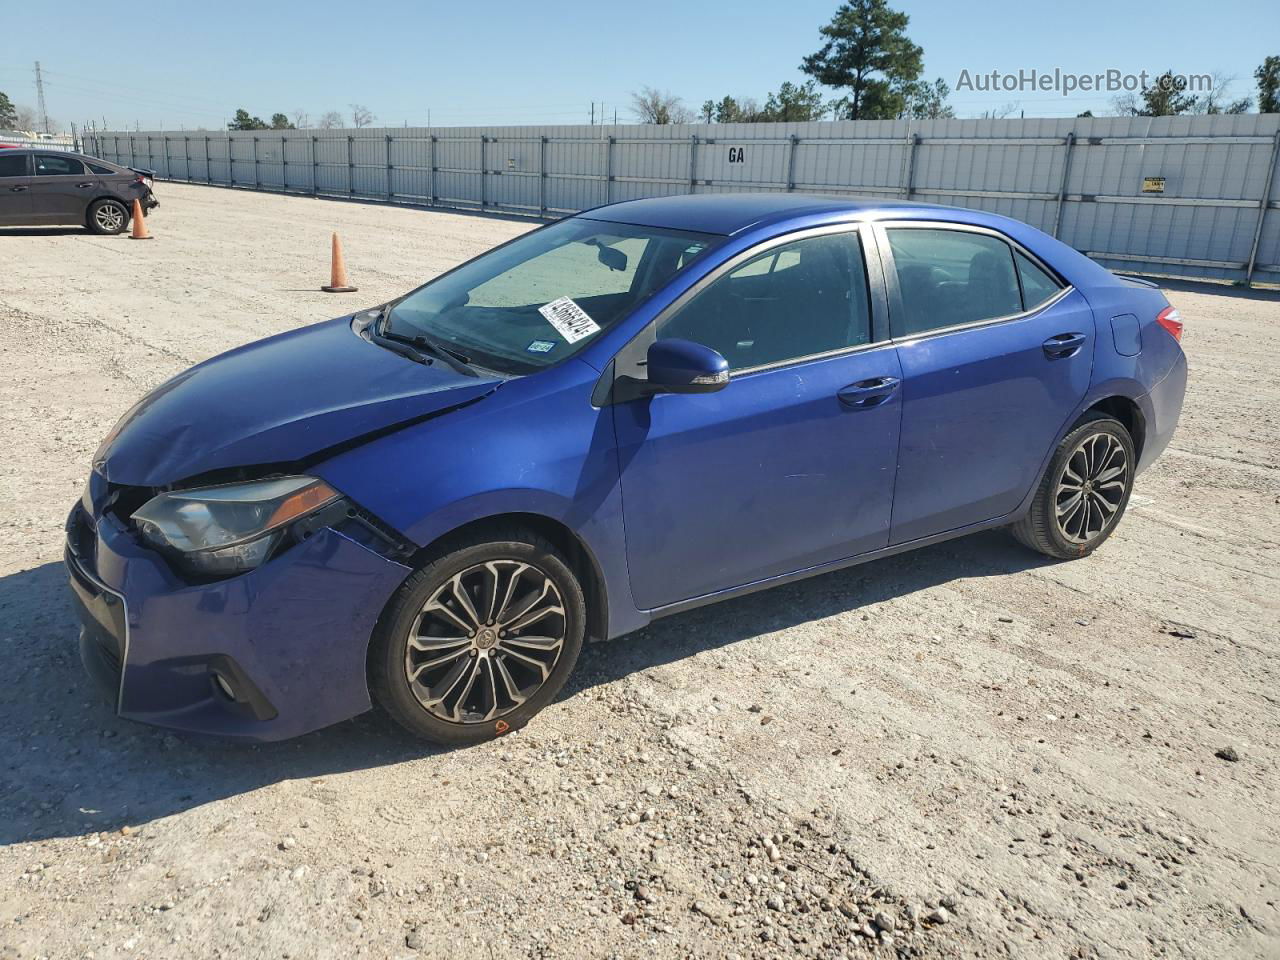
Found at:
[486, 641]
[1092, 487]
[110, 217]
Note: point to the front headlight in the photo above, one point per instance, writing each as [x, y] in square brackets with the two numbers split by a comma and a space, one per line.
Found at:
[218, 531]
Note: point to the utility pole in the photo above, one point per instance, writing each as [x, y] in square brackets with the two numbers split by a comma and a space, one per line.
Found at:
[44, 113]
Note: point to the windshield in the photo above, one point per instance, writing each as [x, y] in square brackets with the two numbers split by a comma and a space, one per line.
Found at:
[546, 295]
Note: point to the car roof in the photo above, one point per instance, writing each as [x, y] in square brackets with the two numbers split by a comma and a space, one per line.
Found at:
[54, 151]
[730, 213]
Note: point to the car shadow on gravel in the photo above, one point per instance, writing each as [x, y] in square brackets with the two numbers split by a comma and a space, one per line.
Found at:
[992, 553]
[43, 232]
[69, 767]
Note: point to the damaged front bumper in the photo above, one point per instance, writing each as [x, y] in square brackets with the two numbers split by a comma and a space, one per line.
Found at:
[270, 654]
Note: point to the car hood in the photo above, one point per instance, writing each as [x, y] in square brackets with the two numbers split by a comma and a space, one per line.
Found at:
[277, 401]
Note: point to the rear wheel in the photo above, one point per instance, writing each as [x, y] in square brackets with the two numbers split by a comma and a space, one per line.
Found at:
[1084, 492]
[479, 639]
[107, 217]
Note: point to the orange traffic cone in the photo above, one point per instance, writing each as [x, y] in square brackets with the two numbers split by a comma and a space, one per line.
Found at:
[139, 223]
[338, 271]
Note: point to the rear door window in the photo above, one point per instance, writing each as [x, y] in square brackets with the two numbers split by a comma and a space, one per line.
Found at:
[950, 277]
[52, 165]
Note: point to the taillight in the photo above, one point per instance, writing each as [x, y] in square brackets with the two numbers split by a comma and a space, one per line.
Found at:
[1171, 320]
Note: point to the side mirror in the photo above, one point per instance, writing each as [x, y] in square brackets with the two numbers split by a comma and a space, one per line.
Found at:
[682, 366]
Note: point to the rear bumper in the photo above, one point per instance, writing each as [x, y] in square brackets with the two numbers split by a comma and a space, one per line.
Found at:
[268, 655]
[1161, 408]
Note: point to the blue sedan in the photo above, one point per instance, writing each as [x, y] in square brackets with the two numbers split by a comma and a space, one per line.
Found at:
[644, 408]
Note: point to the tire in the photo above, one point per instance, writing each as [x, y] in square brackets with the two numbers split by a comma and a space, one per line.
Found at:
[107, 217]
[488, 677]
[1064, 527]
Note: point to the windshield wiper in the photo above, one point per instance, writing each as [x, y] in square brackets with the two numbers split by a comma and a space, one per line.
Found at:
[421, 342]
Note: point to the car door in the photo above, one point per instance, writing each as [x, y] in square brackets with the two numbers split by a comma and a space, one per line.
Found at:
[61, 189]
[792, 464]
[15, 187]
[996, 354]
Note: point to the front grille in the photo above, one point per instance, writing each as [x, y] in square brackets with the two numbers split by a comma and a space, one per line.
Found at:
[123, 501]
[82, 539]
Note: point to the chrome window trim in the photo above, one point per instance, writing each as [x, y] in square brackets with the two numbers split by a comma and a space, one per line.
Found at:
[871, 269]
[976, 324]
[881, 228]
[808, 358]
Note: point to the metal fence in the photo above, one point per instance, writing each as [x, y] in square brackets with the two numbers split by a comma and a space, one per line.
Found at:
[1192, 196]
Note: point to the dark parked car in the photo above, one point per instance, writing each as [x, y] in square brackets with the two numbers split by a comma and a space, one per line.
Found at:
[638, 410]
[46, 187]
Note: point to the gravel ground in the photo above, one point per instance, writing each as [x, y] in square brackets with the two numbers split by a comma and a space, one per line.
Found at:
[964, 751]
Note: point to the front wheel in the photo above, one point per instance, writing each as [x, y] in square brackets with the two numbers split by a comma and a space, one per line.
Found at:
[1084, 492]
[479, 639]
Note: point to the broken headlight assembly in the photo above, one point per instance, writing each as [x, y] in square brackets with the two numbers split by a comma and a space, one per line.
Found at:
[229, 529]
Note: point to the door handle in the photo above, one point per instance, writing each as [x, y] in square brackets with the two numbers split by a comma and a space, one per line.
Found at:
[1063, 345]
[17, 189]
[83, 185]
[868, 393]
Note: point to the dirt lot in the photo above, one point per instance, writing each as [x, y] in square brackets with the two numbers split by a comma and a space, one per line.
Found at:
[982, 753]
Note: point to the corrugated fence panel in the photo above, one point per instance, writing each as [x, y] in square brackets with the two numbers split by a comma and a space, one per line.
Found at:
[1179, 195]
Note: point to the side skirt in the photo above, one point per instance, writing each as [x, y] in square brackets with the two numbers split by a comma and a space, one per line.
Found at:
[742, 591]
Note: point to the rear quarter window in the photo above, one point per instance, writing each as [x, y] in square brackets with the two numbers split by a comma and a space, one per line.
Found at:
[1037, 285]
[103, 171]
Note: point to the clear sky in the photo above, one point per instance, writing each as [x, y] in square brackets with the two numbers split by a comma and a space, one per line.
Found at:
[497, 61]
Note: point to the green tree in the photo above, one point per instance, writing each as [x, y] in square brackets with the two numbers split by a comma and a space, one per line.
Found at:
[794, 103]
[867, 52]
[1268, 77]
[1166, 97]
[927, 101]
[243, 121]
[8, 113]
[280, 122]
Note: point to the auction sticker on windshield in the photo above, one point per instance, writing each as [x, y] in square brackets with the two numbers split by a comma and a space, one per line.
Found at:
[570, 320]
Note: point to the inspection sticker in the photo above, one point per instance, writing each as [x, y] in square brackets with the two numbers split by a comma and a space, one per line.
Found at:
[541, 346]
[570, 320]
